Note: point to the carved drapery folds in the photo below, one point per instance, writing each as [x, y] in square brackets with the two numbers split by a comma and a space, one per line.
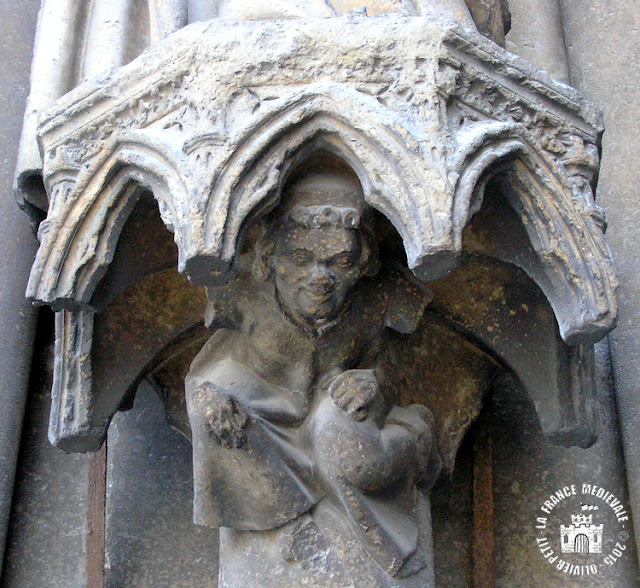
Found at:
[212, 119]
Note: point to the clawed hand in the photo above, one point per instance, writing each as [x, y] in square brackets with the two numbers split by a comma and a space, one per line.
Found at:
[353, 391]
[223, 416]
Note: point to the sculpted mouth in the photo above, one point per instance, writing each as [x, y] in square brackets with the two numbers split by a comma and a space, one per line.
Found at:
[319, 296]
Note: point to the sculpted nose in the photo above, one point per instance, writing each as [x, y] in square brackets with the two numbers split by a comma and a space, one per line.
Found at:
[321, 275]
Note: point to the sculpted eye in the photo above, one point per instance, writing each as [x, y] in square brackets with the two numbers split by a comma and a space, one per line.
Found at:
[344, 261]
[300, 257]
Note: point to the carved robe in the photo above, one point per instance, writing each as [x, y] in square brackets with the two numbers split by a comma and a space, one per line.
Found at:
[278, 371]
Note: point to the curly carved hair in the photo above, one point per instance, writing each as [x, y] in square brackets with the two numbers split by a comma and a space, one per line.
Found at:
[315, 217]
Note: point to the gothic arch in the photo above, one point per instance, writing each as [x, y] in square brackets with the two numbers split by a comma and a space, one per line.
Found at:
[571, 264]
[401, 175]
[79, 239]
[388, 160]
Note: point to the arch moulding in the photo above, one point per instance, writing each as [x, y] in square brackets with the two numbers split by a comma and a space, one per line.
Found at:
[425, 112]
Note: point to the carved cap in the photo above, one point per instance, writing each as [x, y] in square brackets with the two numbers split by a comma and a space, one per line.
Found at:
[326, 186]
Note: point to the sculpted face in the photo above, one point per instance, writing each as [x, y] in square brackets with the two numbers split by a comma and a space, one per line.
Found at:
[315, 268]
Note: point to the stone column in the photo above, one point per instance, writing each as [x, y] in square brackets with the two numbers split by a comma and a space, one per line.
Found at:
[113, 35]
[17, 317]
[53, 73]
[536, 35]
[165, 17]
[603, 48]
[201, 10]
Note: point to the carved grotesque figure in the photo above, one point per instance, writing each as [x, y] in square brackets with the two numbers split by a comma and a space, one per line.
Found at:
[315, 270]
[292, 400]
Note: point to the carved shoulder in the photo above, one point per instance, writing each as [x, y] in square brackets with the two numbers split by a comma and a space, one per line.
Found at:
[408, 299]
[233, 305]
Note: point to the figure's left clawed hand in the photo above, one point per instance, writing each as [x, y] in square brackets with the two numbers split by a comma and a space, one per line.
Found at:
[354, 391]
[222, 416]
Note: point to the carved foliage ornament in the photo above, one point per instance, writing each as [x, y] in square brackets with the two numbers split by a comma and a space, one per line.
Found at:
[424, 114]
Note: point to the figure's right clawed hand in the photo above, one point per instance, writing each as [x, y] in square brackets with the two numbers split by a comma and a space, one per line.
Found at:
[222, 416]
[354, 391]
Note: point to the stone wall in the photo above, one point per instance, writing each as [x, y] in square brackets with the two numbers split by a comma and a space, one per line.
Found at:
[18, 245]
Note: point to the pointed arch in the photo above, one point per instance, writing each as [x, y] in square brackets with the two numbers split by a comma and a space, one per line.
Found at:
[572, 265]
[402, 176]
[78, 239]
[395, 176]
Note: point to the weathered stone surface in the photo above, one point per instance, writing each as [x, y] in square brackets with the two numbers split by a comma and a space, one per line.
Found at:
[527, 470]
[47, 541]
[300, 447]
[214, 121]
[151, 539]
[78, 40]
[18, 247]
[439, 155]
[444, 116]
[123, 351]
[148, 313]
[51, 70]
[604, 75]
[537, 36]
[452, 516]
[492, 17]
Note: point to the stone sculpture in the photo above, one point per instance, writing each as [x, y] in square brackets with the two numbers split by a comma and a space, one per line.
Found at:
[481, 165]
[292, 401]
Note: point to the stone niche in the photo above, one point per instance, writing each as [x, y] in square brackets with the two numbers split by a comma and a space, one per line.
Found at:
[477, 172]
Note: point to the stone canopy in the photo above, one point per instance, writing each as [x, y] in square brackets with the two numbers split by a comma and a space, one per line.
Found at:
[430, 116]
[314, 268]
[212, 119]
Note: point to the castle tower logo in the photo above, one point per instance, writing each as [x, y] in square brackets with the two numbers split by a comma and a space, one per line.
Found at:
[582, 530]
[582, 535]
